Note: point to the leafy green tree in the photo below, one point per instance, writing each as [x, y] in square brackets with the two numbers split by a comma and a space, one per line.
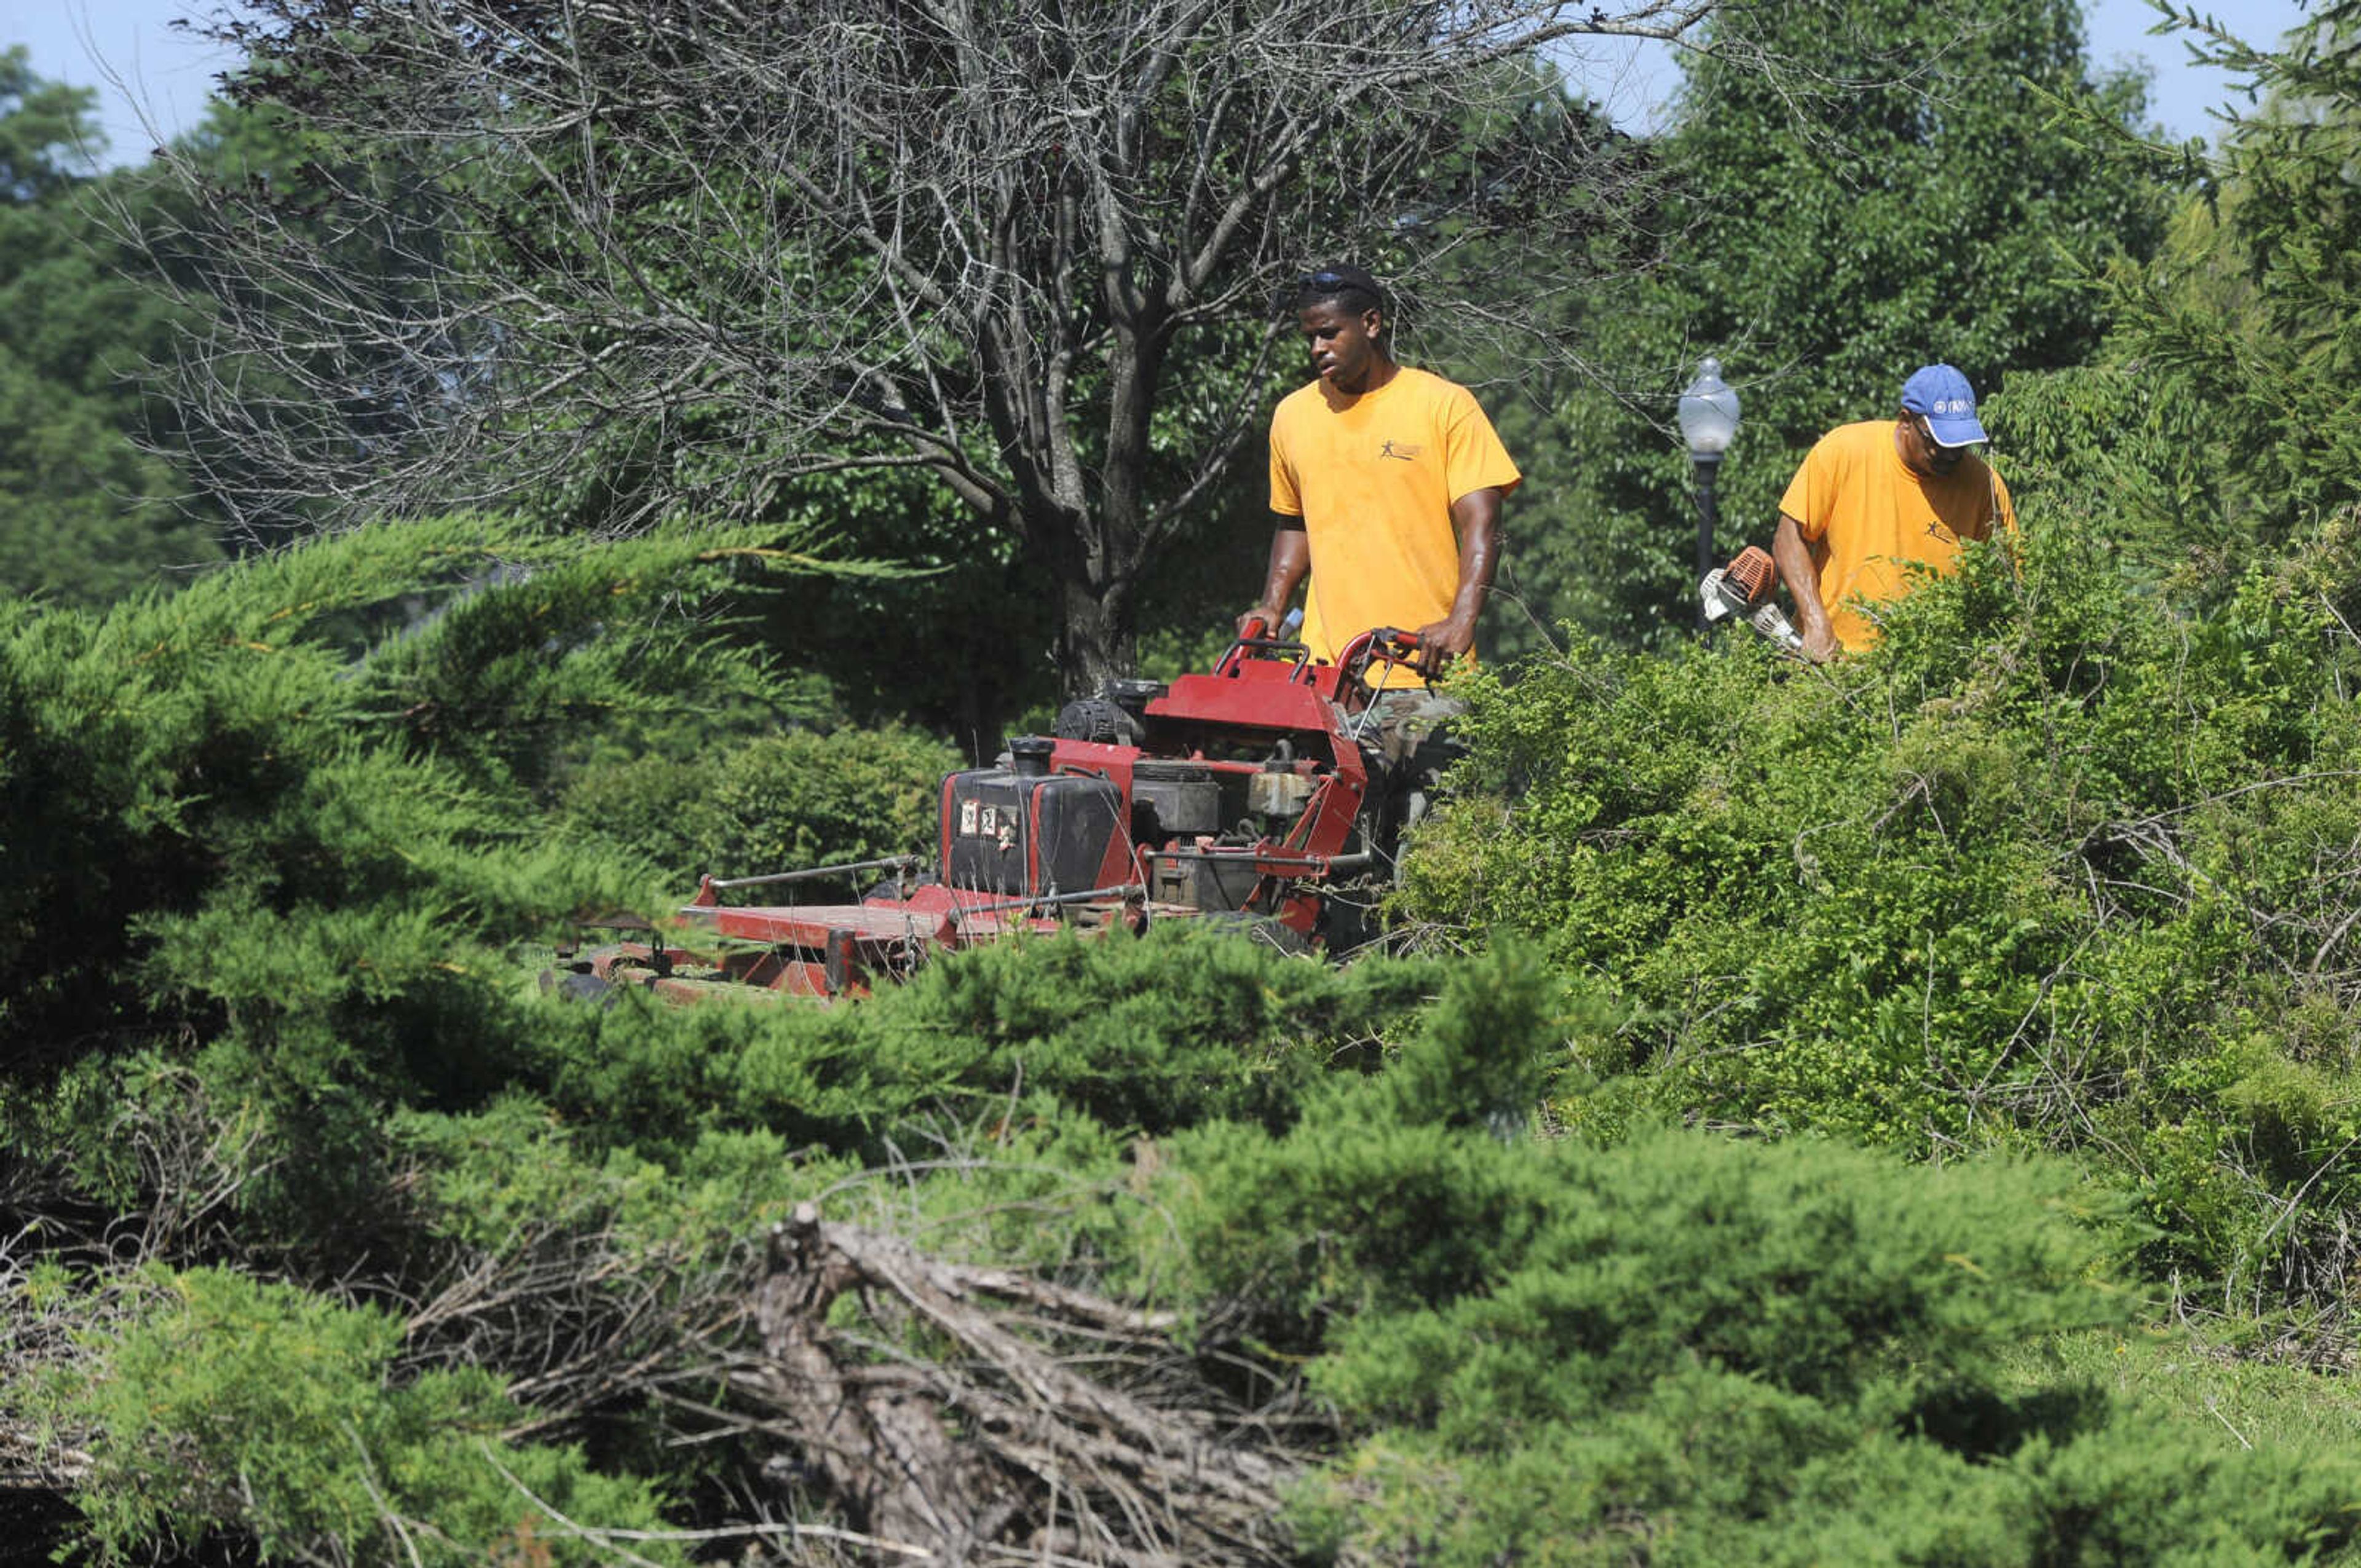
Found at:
[1914, 197]
[87, 509]
[48, 140]
[85, 515]
[2216, 422]
[2249, 324]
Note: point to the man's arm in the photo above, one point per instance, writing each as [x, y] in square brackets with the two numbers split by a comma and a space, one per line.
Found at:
[1476, 517]
[1794, 560]
[1291, 558]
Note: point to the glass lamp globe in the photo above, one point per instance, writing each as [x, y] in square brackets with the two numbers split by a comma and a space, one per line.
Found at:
[1709, 412]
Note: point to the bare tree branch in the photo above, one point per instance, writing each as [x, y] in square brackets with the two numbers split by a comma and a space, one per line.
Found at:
[630, 261]
[999, 1439]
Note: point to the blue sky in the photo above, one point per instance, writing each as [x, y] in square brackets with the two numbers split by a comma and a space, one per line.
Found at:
[129, 51]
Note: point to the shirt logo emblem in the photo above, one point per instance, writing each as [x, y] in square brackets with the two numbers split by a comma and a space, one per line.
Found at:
[1407, 451]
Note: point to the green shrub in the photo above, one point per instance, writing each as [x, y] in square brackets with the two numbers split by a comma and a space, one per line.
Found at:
[785, 801]
[1148, 1034]
[1966, 897]
[2042, 872]
[266, 844]
[657, 808]
[788, 802]
[229, 1404]
[1686, 1348]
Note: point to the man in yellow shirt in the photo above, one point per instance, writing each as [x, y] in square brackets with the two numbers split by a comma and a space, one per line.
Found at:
[1387, 483]
[1874, 498]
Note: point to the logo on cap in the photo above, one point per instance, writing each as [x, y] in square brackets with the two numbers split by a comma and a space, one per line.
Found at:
[1944, 396]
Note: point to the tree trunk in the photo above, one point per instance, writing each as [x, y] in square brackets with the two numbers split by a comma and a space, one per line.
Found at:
[1098, 639]
[1098, 593]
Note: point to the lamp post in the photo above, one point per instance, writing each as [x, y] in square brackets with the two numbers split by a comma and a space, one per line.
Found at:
[1708, 414]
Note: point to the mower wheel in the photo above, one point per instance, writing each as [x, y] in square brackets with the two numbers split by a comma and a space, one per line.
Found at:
[580, 988]
[1262, 928]
[885, 891]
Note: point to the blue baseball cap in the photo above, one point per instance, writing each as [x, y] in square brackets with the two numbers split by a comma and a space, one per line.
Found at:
[1943, 395]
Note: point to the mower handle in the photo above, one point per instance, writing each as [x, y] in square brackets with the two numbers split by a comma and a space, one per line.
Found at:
[1385, 645]
[1254, 635]
[1362, 649]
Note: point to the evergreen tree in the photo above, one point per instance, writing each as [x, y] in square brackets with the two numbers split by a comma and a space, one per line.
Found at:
[86, 511]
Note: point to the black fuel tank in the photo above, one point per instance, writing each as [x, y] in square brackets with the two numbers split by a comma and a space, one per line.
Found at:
[1012, 831]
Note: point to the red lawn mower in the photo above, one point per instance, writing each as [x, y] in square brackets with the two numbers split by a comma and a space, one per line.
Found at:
[1256, 794]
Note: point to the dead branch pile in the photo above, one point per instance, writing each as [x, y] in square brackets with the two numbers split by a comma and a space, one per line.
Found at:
[1041, 1424]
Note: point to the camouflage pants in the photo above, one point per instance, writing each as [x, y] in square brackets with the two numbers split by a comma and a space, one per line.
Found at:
[1412, 728]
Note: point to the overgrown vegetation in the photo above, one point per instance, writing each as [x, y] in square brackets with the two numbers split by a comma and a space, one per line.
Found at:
[288, 1106]
[1901, 1112]
[2065, 867]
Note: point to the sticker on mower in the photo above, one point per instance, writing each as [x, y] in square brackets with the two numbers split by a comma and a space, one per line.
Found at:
[980, 820]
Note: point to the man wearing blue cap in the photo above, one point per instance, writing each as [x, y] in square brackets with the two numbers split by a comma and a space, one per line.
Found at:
[1873, 498]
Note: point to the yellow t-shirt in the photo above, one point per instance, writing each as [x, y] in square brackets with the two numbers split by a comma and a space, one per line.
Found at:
[1866, 515]
[1373, 478]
